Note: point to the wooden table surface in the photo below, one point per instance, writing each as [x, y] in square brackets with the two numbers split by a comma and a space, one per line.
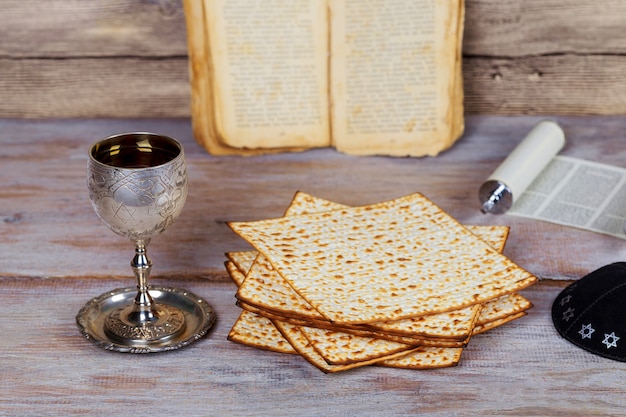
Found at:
[55, 255]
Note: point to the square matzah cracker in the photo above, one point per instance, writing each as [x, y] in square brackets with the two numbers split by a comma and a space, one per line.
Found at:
[358, 331]
[425, 358]
[254, 330]
[501, 307]
[266, 289]
[339, 348]
[303, 347]
[273, 293]
[482, 328]
[398, 259]
[243, 261]
[303, 203]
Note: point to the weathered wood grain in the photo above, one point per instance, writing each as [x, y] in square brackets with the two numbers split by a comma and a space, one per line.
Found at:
[560, 84]
[55, 255]
[520, 28]
[99, 28]
[94, 87]
[125, 58]
[111, 28]
[48, 228]
[522, 368]
[143, 87]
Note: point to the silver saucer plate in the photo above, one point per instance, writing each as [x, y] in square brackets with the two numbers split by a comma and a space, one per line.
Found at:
[199, 317]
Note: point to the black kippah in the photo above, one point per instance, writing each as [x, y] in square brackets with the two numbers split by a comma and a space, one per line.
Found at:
[591, 312]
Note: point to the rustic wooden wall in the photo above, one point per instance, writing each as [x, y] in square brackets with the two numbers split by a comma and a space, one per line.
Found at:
[128, 58]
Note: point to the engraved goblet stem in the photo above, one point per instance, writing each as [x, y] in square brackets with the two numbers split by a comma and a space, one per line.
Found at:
[144, 309]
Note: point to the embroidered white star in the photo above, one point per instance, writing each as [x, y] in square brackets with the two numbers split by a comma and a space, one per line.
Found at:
[566, 299]
[568, 314]
[610, 340]
[586, 331]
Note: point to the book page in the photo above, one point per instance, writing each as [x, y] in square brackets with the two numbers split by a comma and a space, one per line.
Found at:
[577, 193]
[395, 75]
[269, 72]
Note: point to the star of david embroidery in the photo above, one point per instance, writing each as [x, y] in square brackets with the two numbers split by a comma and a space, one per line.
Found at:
[566, 299]
[568, 314]
[610, 340]
[586, 331]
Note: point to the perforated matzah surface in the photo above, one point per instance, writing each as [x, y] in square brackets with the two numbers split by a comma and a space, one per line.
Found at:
[399, 259]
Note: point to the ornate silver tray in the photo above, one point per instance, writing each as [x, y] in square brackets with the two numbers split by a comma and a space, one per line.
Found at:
[198, 319]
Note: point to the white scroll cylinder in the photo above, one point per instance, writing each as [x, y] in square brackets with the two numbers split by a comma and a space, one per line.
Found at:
[509, 181]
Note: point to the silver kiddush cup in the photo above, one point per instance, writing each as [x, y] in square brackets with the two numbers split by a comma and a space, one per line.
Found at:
[138, 186]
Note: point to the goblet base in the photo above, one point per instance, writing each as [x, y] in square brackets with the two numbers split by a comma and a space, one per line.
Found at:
[168, 323]
[183, 318]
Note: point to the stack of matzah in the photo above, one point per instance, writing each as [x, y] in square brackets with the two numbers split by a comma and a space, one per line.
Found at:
[399, 283]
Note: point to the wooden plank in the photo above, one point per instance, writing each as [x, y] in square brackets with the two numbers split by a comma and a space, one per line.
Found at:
[563, 84]
[50, 230]
[518, 28]
[143, 87]
[496, 28]
[98, 28]
[94, 87]
[80, 59]
[522, 368]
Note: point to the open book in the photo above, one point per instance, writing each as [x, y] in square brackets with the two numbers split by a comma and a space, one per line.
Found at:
[368, 77]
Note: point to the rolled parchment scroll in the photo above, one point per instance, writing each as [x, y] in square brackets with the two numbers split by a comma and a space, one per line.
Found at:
[507, 183]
